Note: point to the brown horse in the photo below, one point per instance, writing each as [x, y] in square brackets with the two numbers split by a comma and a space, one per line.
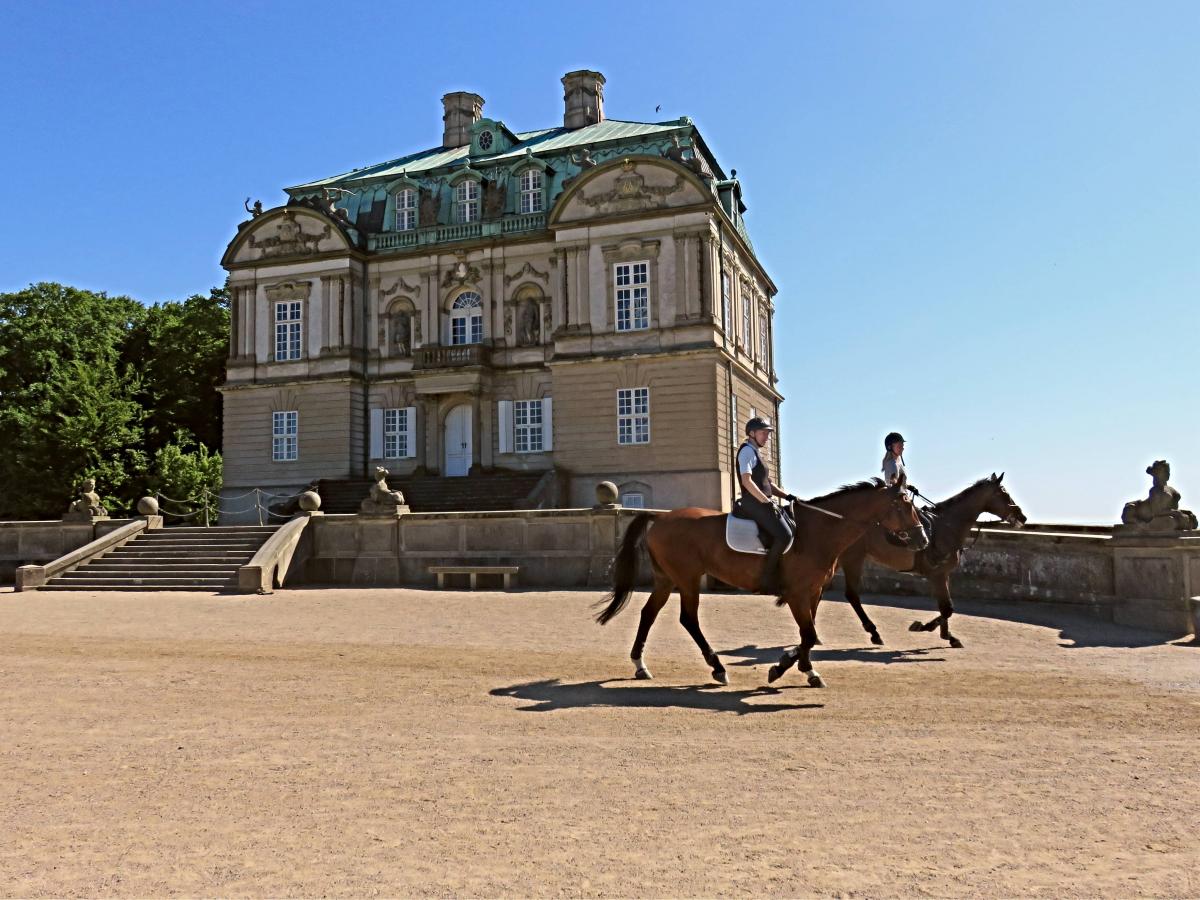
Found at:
[954, 520]
[686, 544]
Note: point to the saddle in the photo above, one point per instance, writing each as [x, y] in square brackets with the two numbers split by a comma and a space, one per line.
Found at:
[743, 535]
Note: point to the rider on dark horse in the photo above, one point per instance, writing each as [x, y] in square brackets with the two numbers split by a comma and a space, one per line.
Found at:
[758, 502]
[893, 471]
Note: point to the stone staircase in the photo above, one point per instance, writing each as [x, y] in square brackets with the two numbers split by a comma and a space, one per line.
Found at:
[433, 493]
[169, 559]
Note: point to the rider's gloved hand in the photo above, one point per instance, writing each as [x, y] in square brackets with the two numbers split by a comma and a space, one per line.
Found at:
[790, 498]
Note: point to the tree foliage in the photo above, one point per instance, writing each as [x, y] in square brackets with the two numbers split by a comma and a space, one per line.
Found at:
[94, 386]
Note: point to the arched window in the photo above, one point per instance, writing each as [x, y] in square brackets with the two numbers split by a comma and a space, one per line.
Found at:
[466, 319]
[531, 191]
[406, 210]
[466, 201]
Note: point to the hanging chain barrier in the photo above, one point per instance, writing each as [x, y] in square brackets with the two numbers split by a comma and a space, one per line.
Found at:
[208, 507]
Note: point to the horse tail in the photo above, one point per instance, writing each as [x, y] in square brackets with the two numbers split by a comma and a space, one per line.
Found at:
[625, 566]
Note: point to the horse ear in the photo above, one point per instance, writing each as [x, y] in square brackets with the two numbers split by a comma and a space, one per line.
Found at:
[1000, 479]
[994, 478]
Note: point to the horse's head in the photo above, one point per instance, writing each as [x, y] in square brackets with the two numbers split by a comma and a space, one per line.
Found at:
[1001, 505]
[900, 517]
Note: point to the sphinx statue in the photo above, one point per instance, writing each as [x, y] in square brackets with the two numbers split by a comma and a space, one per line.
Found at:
[87, 505]
[1160, 510]
[382, 501]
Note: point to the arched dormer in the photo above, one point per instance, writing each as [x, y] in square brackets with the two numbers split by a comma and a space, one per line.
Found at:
[286, 232]
[403, 203]
[629, 185]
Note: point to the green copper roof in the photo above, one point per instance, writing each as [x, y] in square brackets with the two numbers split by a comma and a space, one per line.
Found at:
[547, 140]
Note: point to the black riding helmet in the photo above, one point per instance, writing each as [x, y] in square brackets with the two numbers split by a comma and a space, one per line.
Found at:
[758, 423]
[893, 437]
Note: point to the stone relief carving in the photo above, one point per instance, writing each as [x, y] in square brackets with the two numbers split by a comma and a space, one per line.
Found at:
[677, 153]
[288, 290]
[630, 192]
[548, 321]
[461, 273]
[401, 285]
[494, 195]
[289, 238]
[402, 333]
[508, 321]
[428, 203]
[1160, 510]
[527, 271]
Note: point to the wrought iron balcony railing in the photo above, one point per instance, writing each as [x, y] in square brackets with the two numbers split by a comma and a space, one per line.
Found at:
[437, 234]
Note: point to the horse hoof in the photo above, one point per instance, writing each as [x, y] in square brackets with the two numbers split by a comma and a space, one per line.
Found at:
[956, 643]
[814, 680]
[773, 674]
[642, 675]
[917, 626]
[876, 639]
[721, 677]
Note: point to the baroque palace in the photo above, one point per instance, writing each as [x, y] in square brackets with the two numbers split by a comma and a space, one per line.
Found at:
[548, 309]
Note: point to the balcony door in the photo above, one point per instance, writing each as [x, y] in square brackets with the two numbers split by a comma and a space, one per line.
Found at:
[458, 441]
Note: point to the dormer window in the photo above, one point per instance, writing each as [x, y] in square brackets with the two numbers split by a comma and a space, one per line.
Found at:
[486, 139]
[406, 210]
[532, 196]
[466, 201]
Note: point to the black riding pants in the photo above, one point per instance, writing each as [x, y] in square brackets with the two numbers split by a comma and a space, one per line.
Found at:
[768, 519]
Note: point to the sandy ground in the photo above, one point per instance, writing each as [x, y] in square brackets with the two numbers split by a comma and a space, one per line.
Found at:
[394, 742]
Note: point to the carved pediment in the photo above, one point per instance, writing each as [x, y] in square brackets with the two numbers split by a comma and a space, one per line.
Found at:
[527, 271]
[400, 285]
[284, 233]
[633, 185]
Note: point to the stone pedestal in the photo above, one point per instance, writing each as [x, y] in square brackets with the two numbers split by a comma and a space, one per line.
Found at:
[1156, 574]
[84, 518]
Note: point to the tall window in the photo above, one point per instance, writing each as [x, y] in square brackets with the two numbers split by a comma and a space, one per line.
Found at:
[466, 319]
[633, 296]
[746, 318]
[531, 191]
[633, 500]
[762, 339]
[633, 416]
[285, 429]
[287, 330]
[466, 201]
[406, 210]
[726, 303]
[395, 434]
[527, 426]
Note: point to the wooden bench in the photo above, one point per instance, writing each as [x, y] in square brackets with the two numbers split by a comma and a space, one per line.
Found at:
[509, 573]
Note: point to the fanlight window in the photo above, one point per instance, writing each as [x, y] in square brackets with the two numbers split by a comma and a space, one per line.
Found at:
[466, 319]
[406, 210]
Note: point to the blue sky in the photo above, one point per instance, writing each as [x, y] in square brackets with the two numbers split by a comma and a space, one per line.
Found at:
[983, 218]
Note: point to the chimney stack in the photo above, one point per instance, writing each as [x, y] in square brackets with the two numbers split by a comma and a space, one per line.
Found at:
[583, 91]
[463, 109]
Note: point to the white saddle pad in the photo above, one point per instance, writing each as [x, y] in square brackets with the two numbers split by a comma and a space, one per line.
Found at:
[742, 535]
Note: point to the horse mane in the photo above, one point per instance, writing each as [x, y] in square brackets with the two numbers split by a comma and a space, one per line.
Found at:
[869, 485]
[963, 493]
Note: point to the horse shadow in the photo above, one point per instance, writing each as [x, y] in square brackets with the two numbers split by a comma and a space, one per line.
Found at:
[551, 694]
[753, 655]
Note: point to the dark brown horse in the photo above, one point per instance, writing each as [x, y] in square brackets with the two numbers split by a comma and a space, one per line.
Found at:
[686, 544]
[954, 520]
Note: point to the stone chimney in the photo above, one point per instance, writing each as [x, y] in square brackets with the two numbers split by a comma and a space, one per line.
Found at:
[583, 91]
[463, 109]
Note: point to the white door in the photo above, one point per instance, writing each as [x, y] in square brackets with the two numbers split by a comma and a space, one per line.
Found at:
[458, 441]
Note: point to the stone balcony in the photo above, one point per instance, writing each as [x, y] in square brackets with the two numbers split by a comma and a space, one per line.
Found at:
[453, 357]
[467, 231]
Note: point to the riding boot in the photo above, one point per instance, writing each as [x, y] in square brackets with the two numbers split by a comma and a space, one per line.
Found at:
[769, 581]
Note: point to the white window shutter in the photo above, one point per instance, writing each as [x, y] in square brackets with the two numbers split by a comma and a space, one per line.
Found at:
[506, 425]
[376, 434]
[410, 420]
[547, 423]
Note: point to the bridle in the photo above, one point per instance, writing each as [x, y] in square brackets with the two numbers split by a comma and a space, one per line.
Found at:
[878, 523]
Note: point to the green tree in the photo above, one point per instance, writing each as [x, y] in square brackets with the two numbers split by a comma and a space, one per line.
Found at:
[67, 400]
[179, 350]
[188, 477]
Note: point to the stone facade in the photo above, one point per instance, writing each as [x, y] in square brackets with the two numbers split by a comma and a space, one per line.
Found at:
[505, 301]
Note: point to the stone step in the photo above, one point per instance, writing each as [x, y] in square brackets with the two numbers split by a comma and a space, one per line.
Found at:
[200, 555]
[199, 545]
[174, 565]
[82, 577]
[254, 530]
[138, 588]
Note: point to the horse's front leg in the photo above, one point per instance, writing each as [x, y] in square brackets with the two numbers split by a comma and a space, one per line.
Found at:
[941, 591]
[801, 603]
[853, 572]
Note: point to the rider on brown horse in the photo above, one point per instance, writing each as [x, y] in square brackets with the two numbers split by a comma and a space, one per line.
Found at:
[758, 502]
